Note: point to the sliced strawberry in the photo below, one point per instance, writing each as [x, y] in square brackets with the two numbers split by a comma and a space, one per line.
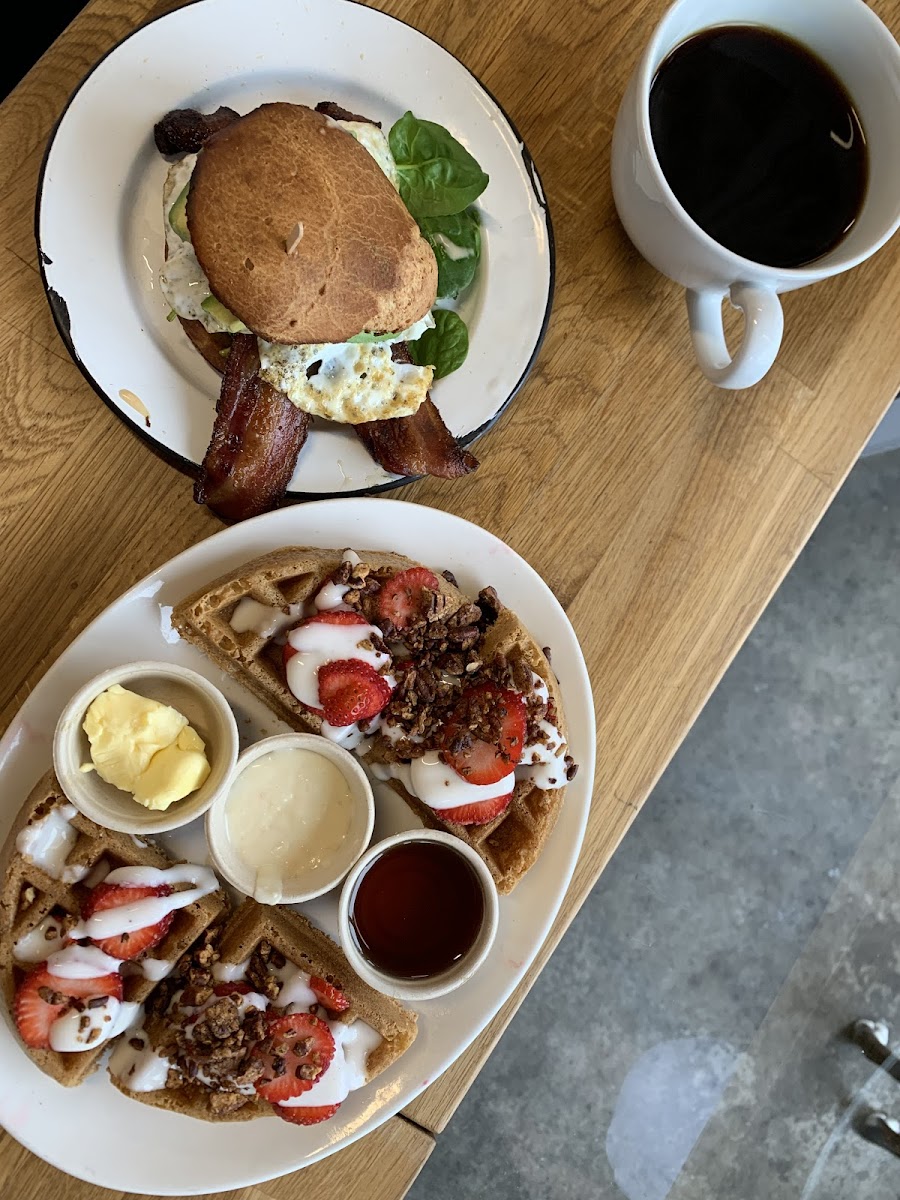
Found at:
[35, 1013]
[402, 600]
[301, 1115]
[329, 995]
[477, 814]
[112, 895]
[335, 617]
[476, 760]
[297, 1042]
[351, 690]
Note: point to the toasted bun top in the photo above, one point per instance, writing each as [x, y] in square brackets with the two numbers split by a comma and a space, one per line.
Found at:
[361, 263]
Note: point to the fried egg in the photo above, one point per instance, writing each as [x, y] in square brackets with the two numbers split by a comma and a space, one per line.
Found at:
[371, 138]
[350, 383]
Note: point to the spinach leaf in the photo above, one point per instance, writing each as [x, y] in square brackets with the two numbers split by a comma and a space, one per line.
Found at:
[445, 347]
[456, 242]
[438, 176]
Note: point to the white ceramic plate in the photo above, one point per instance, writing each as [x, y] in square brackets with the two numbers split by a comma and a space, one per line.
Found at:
[100, 1135]
[100, 226]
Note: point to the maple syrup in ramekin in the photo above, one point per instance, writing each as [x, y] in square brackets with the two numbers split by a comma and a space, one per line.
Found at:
[417, 910]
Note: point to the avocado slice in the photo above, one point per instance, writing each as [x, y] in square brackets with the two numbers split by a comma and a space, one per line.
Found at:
[178, 214]
[217, 309]
[365, 338]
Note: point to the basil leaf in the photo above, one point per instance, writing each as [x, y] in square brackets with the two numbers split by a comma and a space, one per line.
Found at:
[438, 176]
[445, 347]
[456, 242]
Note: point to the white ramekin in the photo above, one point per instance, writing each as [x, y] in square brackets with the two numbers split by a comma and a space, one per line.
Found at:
[207, 711]
[226, 856]
[447, 981]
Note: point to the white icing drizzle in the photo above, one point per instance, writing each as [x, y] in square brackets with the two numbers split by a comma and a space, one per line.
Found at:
[74, 1030]
[230, 972]
[81, 962]
[47, 844]
[141, 913]
[155, 969]
[544, 763]
[139, 1069]
[262, 619]
[42, 941]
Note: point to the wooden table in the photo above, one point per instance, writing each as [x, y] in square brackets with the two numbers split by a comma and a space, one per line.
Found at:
[662, 511]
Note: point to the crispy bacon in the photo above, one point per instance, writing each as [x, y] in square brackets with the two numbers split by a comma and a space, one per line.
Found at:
[185, 130]
[257, 437]
[417, 445]
[329, 109]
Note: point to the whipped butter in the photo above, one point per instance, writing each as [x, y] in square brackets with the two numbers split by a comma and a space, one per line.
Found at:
[141, 746]
[287, 815]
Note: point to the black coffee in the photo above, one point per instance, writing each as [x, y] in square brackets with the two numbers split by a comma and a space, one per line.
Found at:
[760, 142]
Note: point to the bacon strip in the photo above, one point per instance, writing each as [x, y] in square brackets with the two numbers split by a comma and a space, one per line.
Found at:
[185, 130]
[417, 445]
[257, 437]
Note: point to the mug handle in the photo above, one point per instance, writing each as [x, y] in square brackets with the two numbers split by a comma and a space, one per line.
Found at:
[763, 327]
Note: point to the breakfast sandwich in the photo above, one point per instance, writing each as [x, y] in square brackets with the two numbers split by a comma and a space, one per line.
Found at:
[262, 1017]
[90, 921]
[450, 700]
[298, 270]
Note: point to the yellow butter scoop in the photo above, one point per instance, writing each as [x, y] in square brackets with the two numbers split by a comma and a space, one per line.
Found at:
[144, 747]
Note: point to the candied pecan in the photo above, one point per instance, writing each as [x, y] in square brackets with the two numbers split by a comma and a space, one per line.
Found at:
[490, 604]
[571, 767]
[255, 1025]
[253, 1069]
[223, 1017]
[137, 1043]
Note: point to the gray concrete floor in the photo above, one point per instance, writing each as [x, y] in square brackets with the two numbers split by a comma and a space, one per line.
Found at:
[685, 1039]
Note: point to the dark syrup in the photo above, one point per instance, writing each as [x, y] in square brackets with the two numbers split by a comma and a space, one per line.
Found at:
[760, 142]
[417, 910]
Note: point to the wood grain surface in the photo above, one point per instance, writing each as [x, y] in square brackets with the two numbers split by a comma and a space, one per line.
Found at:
[662, 511]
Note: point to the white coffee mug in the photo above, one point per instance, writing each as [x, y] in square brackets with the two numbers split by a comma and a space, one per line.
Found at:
[860, 50]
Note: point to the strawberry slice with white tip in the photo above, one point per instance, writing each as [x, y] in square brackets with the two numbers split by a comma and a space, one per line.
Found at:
[296, 1050]
[306, 1115]
[42, 997]
[478, 813]
[133, 943]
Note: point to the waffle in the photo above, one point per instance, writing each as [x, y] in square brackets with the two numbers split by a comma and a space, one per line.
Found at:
[512, 842]
[286, 579]
[306, 946]
[29, 894]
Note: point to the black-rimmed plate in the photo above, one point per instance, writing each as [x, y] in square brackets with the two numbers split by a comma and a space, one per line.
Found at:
[99, 216]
